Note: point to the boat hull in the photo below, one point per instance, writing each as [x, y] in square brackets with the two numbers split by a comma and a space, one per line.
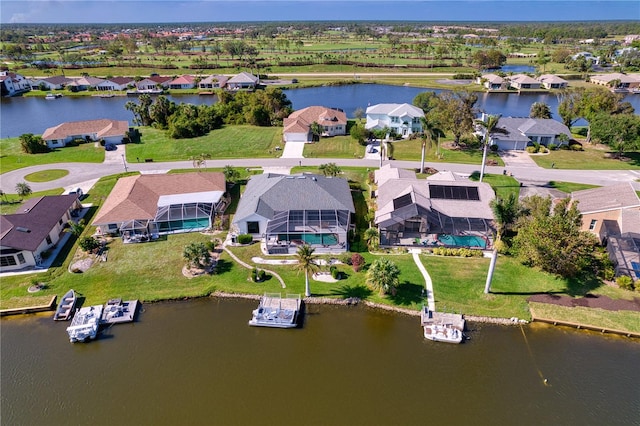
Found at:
[65, 308]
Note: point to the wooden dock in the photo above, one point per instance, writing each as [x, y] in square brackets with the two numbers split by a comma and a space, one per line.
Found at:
[117, 311]
[428, 317]
[603, 330]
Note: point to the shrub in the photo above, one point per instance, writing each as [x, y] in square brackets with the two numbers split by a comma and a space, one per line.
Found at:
[211, 245]
[532, 149]
[565, 147]
[493, 148]
[245, 239]
[88, 243]
[552, 147]
[582, 131]
[346, 259]
[461, 252]
[357, 261]
[625, 282]
[335, 274]
[575, 147]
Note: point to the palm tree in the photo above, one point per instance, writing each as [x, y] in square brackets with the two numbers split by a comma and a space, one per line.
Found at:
[75, 228]
[431, 132]
[23, 189]
[372, 236]
[383, 275]
[505, 212]
[540, 110]
[306, 263]
[330, 169]
[490, 127]
[316, 130]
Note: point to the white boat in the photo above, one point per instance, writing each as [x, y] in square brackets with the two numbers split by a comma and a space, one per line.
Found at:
[274, 311]
[65, 308]
[85, 323]
[50, 96]
[441, 326]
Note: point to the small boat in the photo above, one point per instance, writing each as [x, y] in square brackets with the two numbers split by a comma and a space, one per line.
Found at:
[442, 333]
[85, 323]
[65, 308]
[51, 96]
[274, 311]
[442, 326]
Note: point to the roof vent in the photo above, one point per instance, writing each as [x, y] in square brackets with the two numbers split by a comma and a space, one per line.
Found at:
[23, 229]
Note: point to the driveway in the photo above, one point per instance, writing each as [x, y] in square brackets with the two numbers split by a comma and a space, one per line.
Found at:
[517, 159]
[293, 150]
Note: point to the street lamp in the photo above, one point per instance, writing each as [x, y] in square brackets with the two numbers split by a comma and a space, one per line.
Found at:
[124, 163]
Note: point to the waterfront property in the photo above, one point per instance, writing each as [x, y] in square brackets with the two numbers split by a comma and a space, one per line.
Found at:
[142, 207]
[34, 229]
[551, 81]
[297, 127]
[442, 326]
[400, 119]
[612, 213]
[289, 211]
[13, 84]
[213, 82]
[523, 81]
[85, 324]
[183, 82]
[274, 311]
[56, 82]
[111, 131]
[617, 80]
[520, 132]
[446, 209]
[244, 80]
[493, 82]
[153, 83]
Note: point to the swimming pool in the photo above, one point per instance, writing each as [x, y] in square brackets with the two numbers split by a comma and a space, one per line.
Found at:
[462, 240]
[312, 239]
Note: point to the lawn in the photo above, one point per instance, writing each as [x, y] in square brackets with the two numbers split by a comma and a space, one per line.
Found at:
[589, 159]
[12, 157]
[227, 142]
[569, 187]
[599, 318]
[46, 175]
[410, 150]
[334, 147]
[502, 185]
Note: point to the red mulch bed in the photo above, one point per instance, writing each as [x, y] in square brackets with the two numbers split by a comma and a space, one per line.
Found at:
[589, 301]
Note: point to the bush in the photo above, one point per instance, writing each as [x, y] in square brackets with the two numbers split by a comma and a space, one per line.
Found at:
[211, 245]
[565, 147]
[493, 148]
[625, 282]
[575, 147]
[335, 274]
[532, 149]
[88, 244]
[582, 131]
[245, 239]
[346, 259]
[552, 147]
[460, 252]
[357, 262]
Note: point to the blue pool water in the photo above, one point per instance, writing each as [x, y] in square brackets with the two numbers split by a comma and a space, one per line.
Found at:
[462, 241]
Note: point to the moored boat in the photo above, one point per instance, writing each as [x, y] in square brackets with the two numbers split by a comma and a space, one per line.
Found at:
[65, 308]
[274, 311]
[85, 323]
[441, 326]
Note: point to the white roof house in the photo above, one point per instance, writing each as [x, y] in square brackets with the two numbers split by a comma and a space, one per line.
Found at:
[401, 119]
[244, 80]
[523, 81]
[550, 81]
[518, 132]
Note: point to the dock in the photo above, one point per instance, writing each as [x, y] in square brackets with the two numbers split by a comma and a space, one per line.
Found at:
[116, 311]
[274, 311]
[429, 317]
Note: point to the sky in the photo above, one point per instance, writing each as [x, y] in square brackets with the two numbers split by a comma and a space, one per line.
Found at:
[174, 11]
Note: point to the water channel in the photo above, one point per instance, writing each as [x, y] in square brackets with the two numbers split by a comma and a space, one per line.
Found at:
[34, 115]
[198, 362]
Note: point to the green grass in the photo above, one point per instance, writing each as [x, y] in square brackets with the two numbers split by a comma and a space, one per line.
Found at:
[335, 147]
[228, 142]
[589, 159]
[9, 203]
[46, 175]
[12, 157]
[599, 318]
[569, 187]
[410, 150]
[502, 185]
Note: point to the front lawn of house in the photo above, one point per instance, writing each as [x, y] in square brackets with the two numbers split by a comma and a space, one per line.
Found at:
[589, 159]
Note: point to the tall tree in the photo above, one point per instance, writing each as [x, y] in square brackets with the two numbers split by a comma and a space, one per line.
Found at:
[620, 131]
[456, 112]
[307, 264]
[490, 127]
[540, 110]
[316, 130]
[431, 132]
[505, 212]
[383, 275]
[196, 255]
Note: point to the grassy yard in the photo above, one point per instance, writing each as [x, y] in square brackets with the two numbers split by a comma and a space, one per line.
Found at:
[569, 187]
[46, 175]
[589, 159]
[12, 157]
[502, 185]
[334, 147]
[617, 320]
[228, 142]
[410, 150]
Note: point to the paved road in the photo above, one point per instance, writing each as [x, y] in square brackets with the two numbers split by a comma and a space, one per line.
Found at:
[83, 172]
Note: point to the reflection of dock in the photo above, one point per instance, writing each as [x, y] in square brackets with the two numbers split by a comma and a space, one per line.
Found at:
[116, 311]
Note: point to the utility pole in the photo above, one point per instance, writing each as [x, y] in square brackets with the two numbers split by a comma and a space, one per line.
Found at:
[124, 163]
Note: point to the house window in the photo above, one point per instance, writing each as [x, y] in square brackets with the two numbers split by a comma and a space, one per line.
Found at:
[7, 261]
[395, 119]
[593, 224]
[253, 227]
[113, 226]
[21, 258]
[48, 239]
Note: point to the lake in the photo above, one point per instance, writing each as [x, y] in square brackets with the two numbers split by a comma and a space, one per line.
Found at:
[34, 115]
[198, 362]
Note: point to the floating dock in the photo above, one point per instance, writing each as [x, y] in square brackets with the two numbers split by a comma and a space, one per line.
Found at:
[116, 311]
[442, 326]
[85, 323]
[274, 311]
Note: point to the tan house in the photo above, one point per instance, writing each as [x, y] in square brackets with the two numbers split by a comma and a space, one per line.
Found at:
[612, 213]
[622, 81]
[551, 81]
[297, 127]
[493, 82]
[523, 81]
[111, 131]
[144, 206]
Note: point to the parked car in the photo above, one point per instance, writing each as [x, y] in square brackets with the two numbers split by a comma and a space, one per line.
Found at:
[110, 147]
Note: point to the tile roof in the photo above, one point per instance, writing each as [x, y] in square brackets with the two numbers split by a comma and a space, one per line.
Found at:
[551, 78]
[519, 128]
[300, 121]
[606, 78]
[387, 172]
[493, 78]
[611, 197]
[136, 197]
[101, 128]
[30, 225]
[523, 79]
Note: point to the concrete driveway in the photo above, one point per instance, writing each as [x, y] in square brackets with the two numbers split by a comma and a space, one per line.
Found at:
[517, 159]
[293, 150]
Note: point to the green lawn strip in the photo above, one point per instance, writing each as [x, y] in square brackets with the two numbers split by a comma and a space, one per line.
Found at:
[569, 187]
[13, 158]
[334, 147]
[410, 150]
[502, 185]
[46, 175]
[227, 142]
[9, 203]
[594, 317]
[589, 159]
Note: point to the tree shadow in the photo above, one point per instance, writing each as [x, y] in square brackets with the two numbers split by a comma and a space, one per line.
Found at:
[346, 291]
[583, 284]
[407, 293]
[526, 293]
[223, 266]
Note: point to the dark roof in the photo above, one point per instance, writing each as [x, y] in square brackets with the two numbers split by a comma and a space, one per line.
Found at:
[26, 229]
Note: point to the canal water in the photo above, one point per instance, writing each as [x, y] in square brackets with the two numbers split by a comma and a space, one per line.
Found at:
[198, 362]
[34, 115]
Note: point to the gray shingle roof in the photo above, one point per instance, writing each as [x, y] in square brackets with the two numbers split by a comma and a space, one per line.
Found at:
[605, 198]
[519, 127]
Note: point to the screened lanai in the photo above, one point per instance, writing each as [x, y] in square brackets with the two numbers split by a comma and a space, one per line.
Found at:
[182, 212]
[314, 227]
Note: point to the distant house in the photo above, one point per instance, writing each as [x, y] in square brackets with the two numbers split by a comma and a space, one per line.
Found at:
[183, 82]
[153, 83]
[34, 228]
[12, 83]
[587, 56]
[612, 213]
[519, 132]
[144, 206]
[401, 119]
[116, 83]
[213, 82]
[493, 82]
[297, 127]
[111, 131]
[244, 80]
[57, 82]
[446, 209]
[523, 81]
[550, 81]
[85, 83]
[288, 211]
[623, 81]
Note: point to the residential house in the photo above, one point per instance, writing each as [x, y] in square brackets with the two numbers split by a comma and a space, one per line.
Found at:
[550, 81]
[612, 214]
[116, 83]
[35, 228]
[587, 56]
[400, 119]
[244, 80]
[213, 82]
[297, 127]
[111, 131]
[142, 207]
[57, 82]
[289, 211]
[520, 132]
[13, 84]
[493, 82]
[523, 81]
[153, 83]
[183, 82]
[85, 83]
[621, 81]
[446, 209]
